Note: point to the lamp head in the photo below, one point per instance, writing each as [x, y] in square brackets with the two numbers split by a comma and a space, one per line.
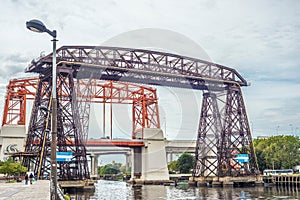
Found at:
[39, 27]
[36, 26]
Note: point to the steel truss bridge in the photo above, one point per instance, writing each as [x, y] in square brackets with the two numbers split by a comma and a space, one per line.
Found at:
[223, 127]
[144, 115]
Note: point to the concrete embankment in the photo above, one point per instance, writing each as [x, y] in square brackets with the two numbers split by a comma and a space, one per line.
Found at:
[38, 190]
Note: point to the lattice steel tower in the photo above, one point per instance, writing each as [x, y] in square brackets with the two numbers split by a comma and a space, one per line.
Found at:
[223, 135]
[70, 129]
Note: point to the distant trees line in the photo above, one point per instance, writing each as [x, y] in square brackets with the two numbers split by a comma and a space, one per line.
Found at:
[278, 152]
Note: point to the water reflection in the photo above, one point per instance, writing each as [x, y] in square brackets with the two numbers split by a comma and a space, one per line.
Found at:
[281, 192]
[121, 190]
[137, 193]
[230, 193]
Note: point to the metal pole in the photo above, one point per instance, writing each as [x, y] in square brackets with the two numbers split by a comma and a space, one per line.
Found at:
[111, 115]
[103, 119]
[54, 126]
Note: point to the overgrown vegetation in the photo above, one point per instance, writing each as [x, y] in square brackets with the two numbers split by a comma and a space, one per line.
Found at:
[278, 152]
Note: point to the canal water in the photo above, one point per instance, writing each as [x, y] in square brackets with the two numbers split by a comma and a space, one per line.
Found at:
[115, 190]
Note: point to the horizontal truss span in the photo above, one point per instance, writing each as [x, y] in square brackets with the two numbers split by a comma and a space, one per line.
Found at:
[141, 66]
[21, 90]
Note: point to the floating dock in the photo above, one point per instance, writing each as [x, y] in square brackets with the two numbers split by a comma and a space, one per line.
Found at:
[80, 185]
[282, 180]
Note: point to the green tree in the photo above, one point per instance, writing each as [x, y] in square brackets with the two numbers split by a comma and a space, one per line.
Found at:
[280, 152]
[185, 163]
[125, 170]
[11, 167]
[113, 168]
[172, 167]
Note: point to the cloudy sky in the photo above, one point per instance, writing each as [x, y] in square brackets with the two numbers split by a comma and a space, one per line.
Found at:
[260, 39]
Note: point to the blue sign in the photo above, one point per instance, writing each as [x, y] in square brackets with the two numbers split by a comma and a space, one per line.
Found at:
[242, 158]
[64, 156]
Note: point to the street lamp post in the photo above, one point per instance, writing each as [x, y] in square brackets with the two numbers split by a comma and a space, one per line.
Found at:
[38, 26]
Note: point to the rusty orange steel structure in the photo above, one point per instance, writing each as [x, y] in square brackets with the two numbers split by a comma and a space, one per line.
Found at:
[18, 91]
[143, 99]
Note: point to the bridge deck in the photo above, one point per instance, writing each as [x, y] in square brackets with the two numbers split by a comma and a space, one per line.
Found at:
[119, 143]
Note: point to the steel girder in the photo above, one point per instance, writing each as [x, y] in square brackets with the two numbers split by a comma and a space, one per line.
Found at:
[18, 92]
[145, 114]
[223, 134]
[207, 155]
[38, 145]
[142, 66]
[69, 132]
[88, 91]
[236, 137]
[70, 129]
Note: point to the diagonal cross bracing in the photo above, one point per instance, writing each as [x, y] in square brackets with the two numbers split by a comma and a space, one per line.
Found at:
[143, 66]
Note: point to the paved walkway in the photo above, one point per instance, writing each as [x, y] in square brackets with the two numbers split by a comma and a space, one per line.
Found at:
[38, 190]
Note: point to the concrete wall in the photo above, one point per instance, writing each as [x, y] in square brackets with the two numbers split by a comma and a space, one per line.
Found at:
[136, 160]
[12, 139]
[154, 162]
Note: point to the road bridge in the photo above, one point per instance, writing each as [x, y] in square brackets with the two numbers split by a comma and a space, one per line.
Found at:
[123, 145]
[97, 147]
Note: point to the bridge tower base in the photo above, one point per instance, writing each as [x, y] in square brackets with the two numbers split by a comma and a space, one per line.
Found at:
[94, 166]
[226, 181]
[149, 163]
